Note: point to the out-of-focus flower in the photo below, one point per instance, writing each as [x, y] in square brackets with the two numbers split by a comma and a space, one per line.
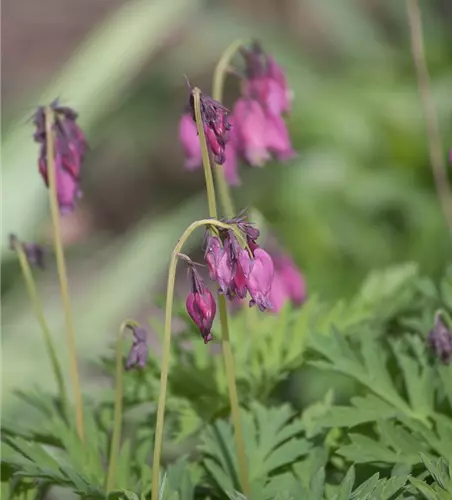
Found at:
[216, 125]
[266, 81]
[70, 150]
[288, 283]
[231, 164]
[201, 305]
[138, 353]
[440, 341]
[189, 139]
[252, 137]
[34, 253]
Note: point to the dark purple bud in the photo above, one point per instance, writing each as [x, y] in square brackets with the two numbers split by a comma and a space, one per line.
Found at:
[201, 305]
[138, 353]
[188, 137]
[70, 149]
[440, 341]
[34, 253]
[216, 125]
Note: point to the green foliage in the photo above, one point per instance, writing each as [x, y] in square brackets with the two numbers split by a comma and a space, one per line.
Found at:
[391, 440]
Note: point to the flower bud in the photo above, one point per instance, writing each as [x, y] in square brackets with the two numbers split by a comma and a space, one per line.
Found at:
[201, 305]
[139, 351]
[440, 341]
[33, 252]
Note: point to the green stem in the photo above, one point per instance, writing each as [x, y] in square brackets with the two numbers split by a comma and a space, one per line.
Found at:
[62, 274]
[167, 345]
[205, 155]
[39, 312]
[225, 343]
[219, 78]
[437, 161]
[233, 397]
[116, 438]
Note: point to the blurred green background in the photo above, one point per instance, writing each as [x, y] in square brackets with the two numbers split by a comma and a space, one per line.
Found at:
[359, 197]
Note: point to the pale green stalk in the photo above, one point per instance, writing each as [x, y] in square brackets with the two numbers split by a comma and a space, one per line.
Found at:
[116, 437]
[62, 274]
[167, 345]
[435, 147]
[39, 312]
[219, 78]
[225, 342]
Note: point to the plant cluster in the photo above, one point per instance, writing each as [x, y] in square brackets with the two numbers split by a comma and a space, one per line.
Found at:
[190, 423]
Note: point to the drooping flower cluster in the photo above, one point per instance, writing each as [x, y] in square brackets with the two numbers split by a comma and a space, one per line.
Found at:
[34, 252]
[238, 271]
[216, 128]
[70, 149]
[257, 130]
[440, 341]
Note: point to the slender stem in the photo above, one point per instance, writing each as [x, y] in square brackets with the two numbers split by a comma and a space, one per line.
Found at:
[39, 312]
[219, 78]
[233, 397]
[434, 140]
[62, 274]
[205, 155]
[116, 438]
[225, 342]
[167, 345]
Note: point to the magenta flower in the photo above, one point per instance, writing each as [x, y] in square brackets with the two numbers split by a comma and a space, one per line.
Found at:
[440, 341]
[201, 305]
[277, 139]
[35, 253]
[216, 126]
[231, 164]
[70, 149]
[288, 283]
[266, 81]
[259, 273]
[251, 130]
[188, 136]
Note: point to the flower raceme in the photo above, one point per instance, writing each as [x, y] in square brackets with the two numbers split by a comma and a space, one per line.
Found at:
[70, 149]
[255, 131]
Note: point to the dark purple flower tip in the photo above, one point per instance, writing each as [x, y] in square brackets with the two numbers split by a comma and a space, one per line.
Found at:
[216, 125]
[35, 253]
[201, 305]
[138, 353]
[440, 341]
[70, 150]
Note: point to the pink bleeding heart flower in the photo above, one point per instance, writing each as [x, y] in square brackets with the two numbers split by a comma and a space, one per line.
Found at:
[251, 130]
[188, 137]
[277, 139]
[201, 305]
[259, 273]
[288, 283]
